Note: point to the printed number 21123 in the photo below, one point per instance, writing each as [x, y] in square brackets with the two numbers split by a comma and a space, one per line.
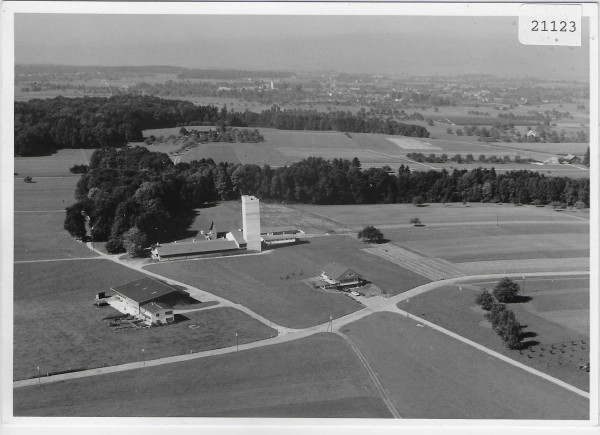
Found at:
[553, 26]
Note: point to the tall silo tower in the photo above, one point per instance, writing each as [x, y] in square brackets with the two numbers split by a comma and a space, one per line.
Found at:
[251, 222]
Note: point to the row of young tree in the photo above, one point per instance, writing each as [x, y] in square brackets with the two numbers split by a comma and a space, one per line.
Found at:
[502, 319]
[134, 188]
[44, 126]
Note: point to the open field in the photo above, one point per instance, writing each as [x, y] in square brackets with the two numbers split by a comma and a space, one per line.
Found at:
[492, 247]
[314, 377]
[56, 327]
[380, 215]
[430, 375]
[273, 284]
[40, 236]
[284, 147]
[53, 165]
[557, 315]
[577, 149]
[45, 193]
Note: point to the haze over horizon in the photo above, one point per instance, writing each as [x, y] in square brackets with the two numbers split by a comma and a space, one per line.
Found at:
[390, 45]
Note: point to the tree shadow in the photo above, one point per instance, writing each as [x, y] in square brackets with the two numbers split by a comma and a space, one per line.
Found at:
[520, 299]
[377, 242]
[529, 343]
[527, 334]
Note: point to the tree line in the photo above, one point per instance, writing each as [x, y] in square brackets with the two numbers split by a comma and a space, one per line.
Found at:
[44, 126]
[469, 158]
[133, 193]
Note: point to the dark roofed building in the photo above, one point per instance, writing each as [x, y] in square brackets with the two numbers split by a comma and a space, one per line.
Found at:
[337, 275]
[146, 290]
[192, 249]
[570, 158]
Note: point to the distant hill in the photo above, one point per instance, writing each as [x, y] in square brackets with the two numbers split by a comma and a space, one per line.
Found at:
[184, 73]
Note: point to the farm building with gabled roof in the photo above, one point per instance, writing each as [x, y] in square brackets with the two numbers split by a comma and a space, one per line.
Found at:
[149, 298]
[337, 275]
[570, 158]
[193, 249]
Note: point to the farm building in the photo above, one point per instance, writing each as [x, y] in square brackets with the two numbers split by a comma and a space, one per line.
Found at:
[219, 235]
[570, 158]
[336, 275]
[276, 231]
[279, 239]
[149, 298]
[280, 235]
[193, 249]
[212, 228]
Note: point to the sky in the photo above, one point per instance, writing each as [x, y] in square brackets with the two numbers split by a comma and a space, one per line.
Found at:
[354, 44]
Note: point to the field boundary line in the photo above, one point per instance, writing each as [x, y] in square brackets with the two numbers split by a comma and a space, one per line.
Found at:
[405, 159]
[57, 259]
[384, 396]
[495, 354]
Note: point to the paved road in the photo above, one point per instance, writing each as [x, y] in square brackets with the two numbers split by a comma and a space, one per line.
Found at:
[195, 292]
[372, 305]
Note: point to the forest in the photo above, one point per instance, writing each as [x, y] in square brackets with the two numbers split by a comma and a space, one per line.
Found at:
[133, 196]
[44, 126]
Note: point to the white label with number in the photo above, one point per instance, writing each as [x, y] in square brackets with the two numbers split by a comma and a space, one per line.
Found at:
[550, 24]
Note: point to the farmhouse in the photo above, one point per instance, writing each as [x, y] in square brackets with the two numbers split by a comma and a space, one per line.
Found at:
[570, 158]
[148, 298]
[338, 276]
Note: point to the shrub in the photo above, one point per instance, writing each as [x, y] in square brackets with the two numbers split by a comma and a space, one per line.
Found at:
[370, 234]
[79, 169]
[506, 290]
[494, 315]
[511, 335]
[485, 300]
